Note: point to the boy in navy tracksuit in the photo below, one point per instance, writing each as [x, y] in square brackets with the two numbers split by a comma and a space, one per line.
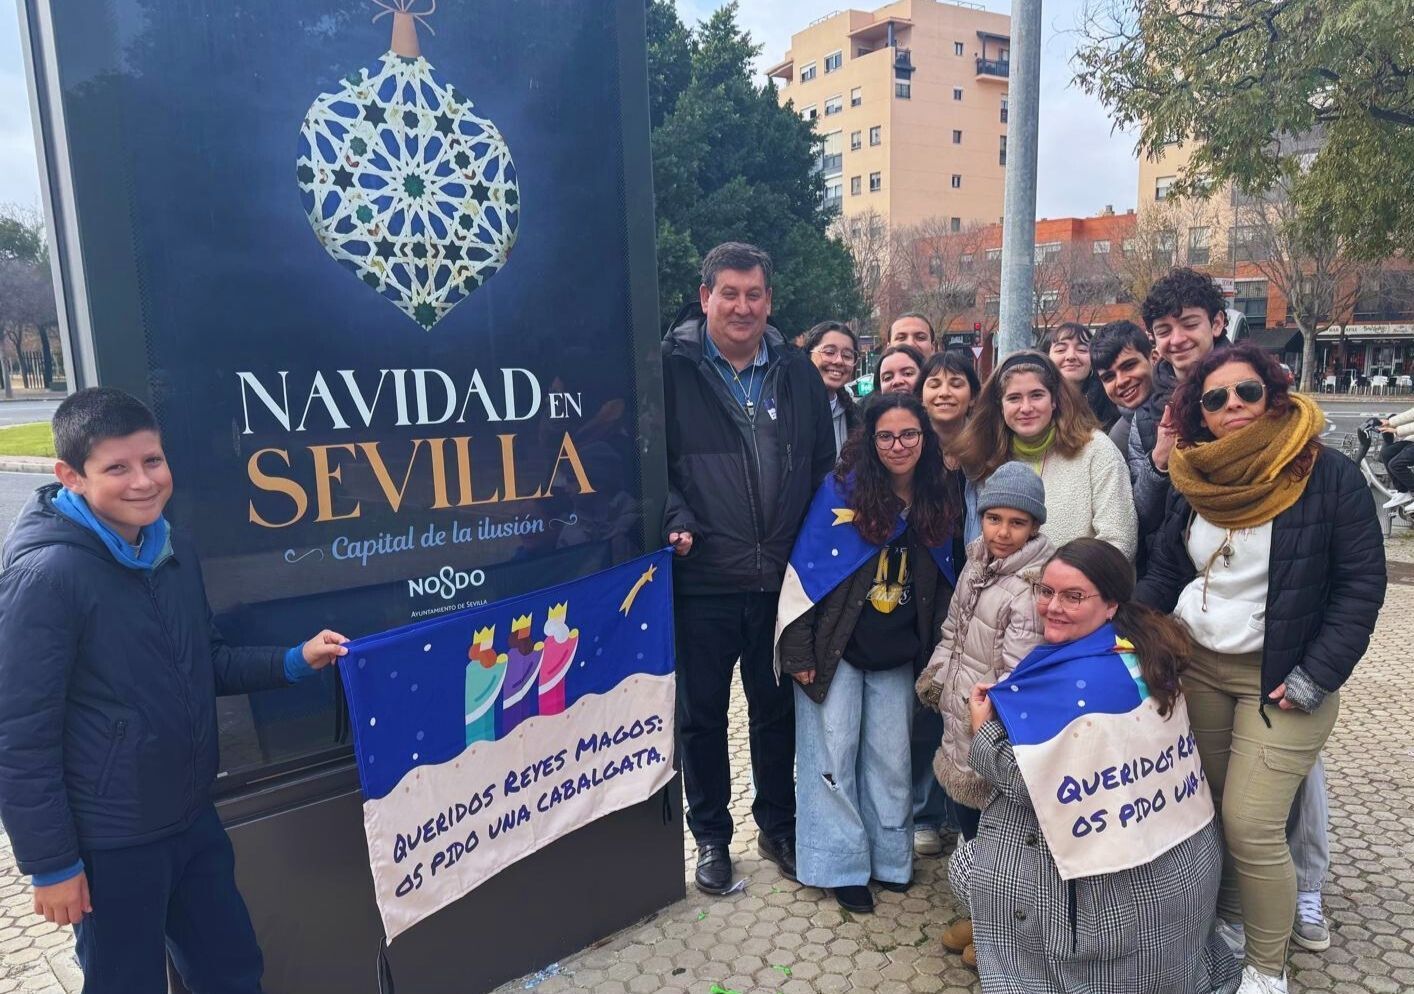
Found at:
[109, 671]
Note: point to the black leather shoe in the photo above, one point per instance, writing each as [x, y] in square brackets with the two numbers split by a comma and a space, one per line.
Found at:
[856, 899]
[896, 888]
[714, 869]
[781, 851]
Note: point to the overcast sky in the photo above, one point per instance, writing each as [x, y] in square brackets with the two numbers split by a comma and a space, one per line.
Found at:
[1083, 166]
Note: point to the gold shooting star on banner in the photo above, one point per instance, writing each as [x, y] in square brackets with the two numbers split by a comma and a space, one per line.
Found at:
[647, 577]
[843, 515]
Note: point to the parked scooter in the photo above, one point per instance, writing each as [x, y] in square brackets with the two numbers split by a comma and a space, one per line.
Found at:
[1367, 437]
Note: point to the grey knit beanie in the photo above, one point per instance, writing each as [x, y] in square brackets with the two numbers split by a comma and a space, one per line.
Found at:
[1017, 486]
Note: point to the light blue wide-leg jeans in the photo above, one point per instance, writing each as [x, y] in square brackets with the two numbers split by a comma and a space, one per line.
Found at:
[853, 793]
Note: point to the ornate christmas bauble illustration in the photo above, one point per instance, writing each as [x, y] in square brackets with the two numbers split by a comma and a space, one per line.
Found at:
[404, 183]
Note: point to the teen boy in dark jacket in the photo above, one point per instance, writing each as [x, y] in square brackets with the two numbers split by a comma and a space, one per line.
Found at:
[108, 741]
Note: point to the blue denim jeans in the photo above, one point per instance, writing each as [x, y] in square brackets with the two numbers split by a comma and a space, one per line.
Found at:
[854, 796]
[1307, 831]
[932, 808]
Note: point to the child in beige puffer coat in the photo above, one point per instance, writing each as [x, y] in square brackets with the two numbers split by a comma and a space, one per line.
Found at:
[991, 625]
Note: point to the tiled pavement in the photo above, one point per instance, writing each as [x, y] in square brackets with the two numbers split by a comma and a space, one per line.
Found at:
[776, 936]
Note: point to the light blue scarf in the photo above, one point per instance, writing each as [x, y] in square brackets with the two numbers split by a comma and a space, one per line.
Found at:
[154, 547]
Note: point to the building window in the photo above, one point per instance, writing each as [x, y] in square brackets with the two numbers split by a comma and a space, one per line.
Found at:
[994, 255]
[903, 90]
[856, 96]
[992, 306]
[856, 185]
[1240, 242]
[956, 181]
[1164, 243]
[1127, 246]
[956, 137]
[856, 140]
[957, 48]
[1001, 155]
[1198, 246]
[957, 93]
[1101, 247]
[1387, 297]
[810, 113]
[1048, 299]
[833, 61]
[807, 72]
[1251, 299]
[876, 182]
[1004, 110]
[964, 263]
[935, 265]
[1162, 186]
[832, 160]
[834, 105]
[1045, 250]
[834, 191]
[876, 135]
[955, 225]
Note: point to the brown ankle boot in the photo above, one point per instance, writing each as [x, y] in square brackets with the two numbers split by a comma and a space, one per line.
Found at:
[958, 935]
[969, 956]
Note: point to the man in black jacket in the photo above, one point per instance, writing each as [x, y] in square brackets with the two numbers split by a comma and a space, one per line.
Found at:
[749, 440]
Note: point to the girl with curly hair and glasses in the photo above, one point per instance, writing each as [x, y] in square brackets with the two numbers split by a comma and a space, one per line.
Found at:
[1271, 554]
[861, 607]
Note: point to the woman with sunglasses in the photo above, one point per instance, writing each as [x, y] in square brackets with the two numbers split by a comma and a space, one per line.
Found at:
[834, 350]
[1070, 890]
[1029, 413]
[1271, 554]
[864, 600]
[1069, 348]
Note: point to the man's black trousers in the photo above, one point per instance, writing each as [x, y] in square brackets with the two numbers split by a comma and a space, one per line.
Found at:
[713, 632]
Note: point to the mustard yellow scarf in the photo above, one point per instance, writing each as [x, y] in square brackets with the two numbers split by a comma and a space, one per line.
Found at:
[1244, 480]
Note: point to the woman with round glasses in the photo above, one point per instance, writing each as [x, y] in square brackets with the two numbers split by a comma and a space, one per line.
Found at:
[834, 350]
[861, 608]
[1029, 413]
[1271, 554]
[1097, 861]
[1069, 348]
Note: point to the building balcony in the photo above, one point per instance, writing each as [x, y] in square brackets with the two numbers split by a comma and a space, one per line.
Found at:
[903, 63]
[993, 68]
[831, 164]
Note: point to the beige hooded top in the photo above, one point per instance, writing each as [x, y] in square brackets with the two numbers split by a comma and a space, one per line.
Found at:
[991, 625]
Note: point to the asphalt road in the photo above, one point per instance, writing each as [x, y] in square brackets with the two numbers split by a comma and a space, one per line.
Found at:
[18, 412]
[15, 489]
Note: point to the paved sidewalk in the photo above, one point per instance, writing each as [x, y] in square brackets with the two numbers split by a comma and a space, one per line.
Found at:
[776, 936]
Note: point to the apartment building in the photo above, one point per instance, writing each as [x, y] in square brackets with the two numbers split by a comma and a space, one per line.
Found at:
[912, 101]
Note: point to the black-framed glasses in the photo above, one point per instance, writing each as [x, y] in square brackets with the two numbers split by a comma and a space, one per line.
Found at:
[835, 352]
[1248, 391]
[909, 437]
[1074, 598]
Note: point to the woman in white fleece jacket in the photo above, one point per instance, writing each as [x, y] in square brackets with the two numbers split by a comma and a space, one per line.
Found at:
[1028, 413]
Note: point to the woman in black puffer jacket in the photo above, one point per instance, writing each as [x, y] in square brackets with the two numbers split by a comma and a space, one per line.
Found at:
[1271, 554]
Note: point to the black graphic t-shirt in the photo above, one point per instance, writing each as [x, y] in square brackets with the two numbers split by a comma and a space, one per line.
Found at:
[886, 634]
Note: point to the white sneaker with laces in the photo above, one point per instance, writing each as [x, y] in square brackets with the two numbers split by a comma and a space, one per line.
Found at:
[927, 842]
[1235, 936]
[1310, 930]
[1397, 500]
[1259, 983]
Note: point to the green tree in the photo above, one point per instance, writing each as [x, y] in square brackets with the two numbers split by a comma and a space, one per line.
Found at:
[1240, 78]
[731, 164]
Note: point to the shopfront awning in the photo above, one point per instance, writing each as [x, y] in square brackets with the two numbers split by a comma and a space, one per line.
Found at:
[1369, 332]
[1280, 340]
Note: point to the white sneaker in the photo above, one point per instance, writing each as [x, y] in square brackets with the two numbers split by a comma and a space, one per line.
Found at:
[1310, 930]
[1397, 500]
[1235, 936]
[927, 842]
[1259, 983]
